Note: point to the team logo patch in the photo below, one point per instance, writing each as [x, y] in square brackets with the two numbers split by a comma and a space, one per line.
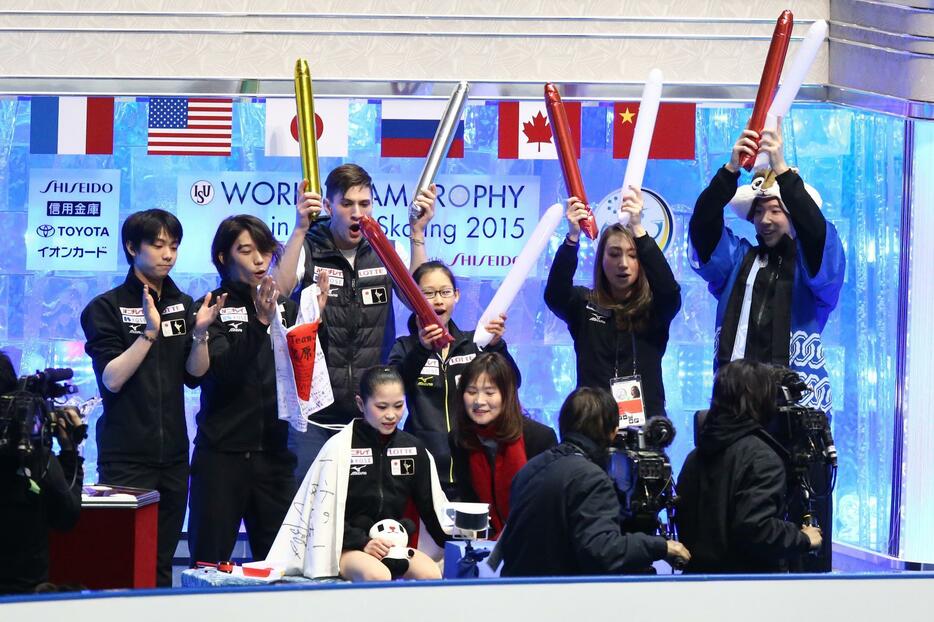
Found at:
[402, 451]
[173, 328]
[462, 360]
[375, 296]
[335, 276]
[357, 469]
[234, 314]
[132, 315]
[426, 381]
[234, 327]
[361, 459]
[402, 466]
[361, 451]
[173, 309]
[365, 274]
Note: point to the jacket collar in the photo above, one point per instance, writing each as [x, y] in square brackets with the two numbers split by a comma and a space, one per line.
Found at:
[322, 241]
[588, 447]
[169, 288]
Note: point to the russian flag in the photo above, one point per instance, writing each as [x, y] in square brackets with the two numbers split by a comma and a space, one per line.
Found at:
[408, 127]
[72, 125]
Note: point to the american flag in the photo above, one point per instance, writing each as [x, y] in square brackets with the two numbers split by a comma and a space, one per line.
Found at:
[190, 126]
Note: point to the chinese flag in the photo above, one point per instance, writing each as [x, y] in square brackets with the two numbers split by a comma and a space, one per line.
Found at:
[673, 138]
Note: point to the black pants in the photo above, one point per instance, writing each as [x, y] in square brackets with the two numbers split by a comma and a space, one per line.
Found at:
[227, 487]
[171, 480]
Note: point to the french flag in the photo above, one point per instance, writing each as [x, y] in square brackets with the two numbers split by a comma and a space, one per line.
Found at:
[408, 127]
[72, 125]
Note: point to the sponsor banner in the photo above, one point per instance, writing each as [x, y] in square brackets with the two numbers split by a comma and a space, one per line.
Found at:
[481, 222]
[73, 220]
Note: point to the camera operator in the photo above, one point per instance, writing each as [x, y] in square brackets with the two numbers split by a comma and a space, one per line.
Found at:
[734, 487]
[42, 494]
[564, 511]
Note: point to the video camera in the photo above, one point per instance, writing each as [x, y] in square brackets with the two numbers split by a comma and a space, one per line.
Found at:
[641, 470]
[29, 415]
[804, 432]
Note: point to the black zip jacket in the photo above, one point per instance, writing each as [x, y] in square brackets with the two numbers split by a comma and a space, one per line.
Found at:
[358, 326]
[145, 421]
[431, 388]
[564, 519]
[26, 516]
[386, 472]
[732, 495]
[239, 411]
[597, 342]
[536, 437]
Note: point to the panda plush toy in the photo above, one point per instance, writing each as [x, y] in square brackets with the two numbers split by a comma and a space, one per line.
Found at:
[397, 560]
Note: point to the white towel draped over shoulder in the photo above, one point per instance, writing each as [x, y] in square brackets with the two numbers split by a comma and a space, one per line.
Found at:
[311, 538]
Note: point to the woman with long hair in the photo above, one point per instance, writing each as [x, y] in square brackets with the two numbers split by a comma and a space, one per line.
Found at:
[492, 438]
[620, 327]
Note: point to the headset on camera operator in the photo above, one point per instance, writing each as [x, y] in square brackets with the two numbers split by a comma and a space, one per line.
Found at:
[564, 510]
[38, 491]
[735, 486]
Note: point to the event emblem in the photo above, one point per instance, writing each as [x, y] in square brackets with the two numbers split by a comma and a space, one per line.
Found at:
[656, 215]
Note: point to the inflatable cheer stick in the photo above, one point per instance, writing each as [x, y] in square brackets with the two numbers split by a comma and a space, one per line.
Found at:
[770, 74]
[526, 260]
[564, 145]
[642, 137]
[792, 81]
[403, 280]
[307, 137]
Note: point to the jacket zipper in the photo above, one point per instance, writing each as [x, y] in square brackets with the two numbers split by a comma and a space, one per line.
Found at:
[379, 482]
[772, 279]
[447, 414]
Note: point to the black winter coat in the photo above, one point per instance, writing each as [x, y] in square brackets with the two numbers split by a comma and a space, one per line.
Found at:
[732, 498]
[431, 389]
[564, 519]
[358, 326]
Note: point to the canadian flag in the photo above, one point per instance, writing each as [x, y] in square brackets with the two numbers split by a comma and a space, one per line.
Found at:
[525, 133]
[331, 121]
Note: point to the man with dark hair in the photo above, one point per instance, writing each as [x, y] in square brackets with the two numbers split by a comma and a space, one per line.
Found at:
[358, 328]
[241, 468]
[773, 298]
[733, 488]
[564, 511]
[38, 492]
[145, 343]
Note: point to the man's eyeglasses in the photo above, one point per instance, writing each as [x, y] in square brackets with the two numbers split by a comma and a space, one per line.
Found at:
[444, 293]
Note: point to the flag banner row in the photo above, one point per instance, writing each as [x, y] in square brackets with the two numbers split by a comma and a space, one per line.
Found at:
[182, 126]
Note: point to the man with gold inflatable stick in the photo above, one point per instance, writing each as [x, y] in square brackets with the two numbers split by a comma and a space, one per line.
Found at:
[773, 298]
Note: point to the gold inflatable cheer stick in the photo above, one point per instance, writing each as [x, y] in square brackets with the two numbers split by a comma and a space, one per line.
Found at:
[307, 137]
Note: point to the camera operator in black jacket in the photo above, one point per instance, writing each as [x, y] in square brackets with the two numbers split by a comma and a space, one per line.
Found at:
[43, 494]
[733, 489]
[564, 511]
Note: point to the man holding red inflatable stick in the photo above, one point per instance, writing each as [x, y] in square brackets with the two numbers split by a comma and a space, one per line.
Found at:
[358, 325]
[773, 298]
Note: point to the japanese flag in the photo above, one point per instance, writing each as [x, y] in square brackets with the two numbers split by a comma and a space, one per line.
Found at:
[331, 123]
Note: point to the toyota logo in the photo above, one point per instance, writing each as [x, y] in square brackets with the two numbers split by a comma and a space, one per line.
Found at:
[45, 231]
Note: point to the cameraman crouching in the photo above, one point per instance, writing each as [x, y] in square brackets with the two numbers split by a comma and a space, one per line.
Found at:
[43, 493]
[564, 511]
[733, 488]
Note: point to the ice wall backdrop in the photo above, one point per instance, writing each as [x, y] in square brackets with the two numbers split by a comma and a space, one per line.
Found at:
[854, 158]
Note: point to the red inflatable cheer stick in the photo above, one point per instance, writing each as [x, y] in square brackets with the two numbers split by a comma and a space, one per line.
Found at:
[561, 130]
[403, 280]
[770, 75]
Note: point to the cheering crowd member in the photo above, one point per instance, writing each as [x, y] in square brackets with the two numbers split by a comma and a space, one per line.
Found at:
[733, 489]
[431, 386]
[145, 343]
[773, 299]
[242, 468]
[620, 327]
[564, 509]
[492, 439]
[358, 327]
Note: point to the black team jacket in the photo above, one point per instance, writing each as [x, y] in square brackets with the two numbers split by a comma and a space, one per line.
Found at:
[145, 421]
[239, 411]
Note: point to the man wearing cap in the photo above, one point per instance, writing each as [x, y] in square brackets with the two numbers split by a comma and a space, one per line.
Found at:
[773, 298]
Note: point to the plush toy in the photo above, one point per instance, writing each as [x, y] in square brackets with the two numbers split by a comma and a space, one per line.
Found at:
[397, 560]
